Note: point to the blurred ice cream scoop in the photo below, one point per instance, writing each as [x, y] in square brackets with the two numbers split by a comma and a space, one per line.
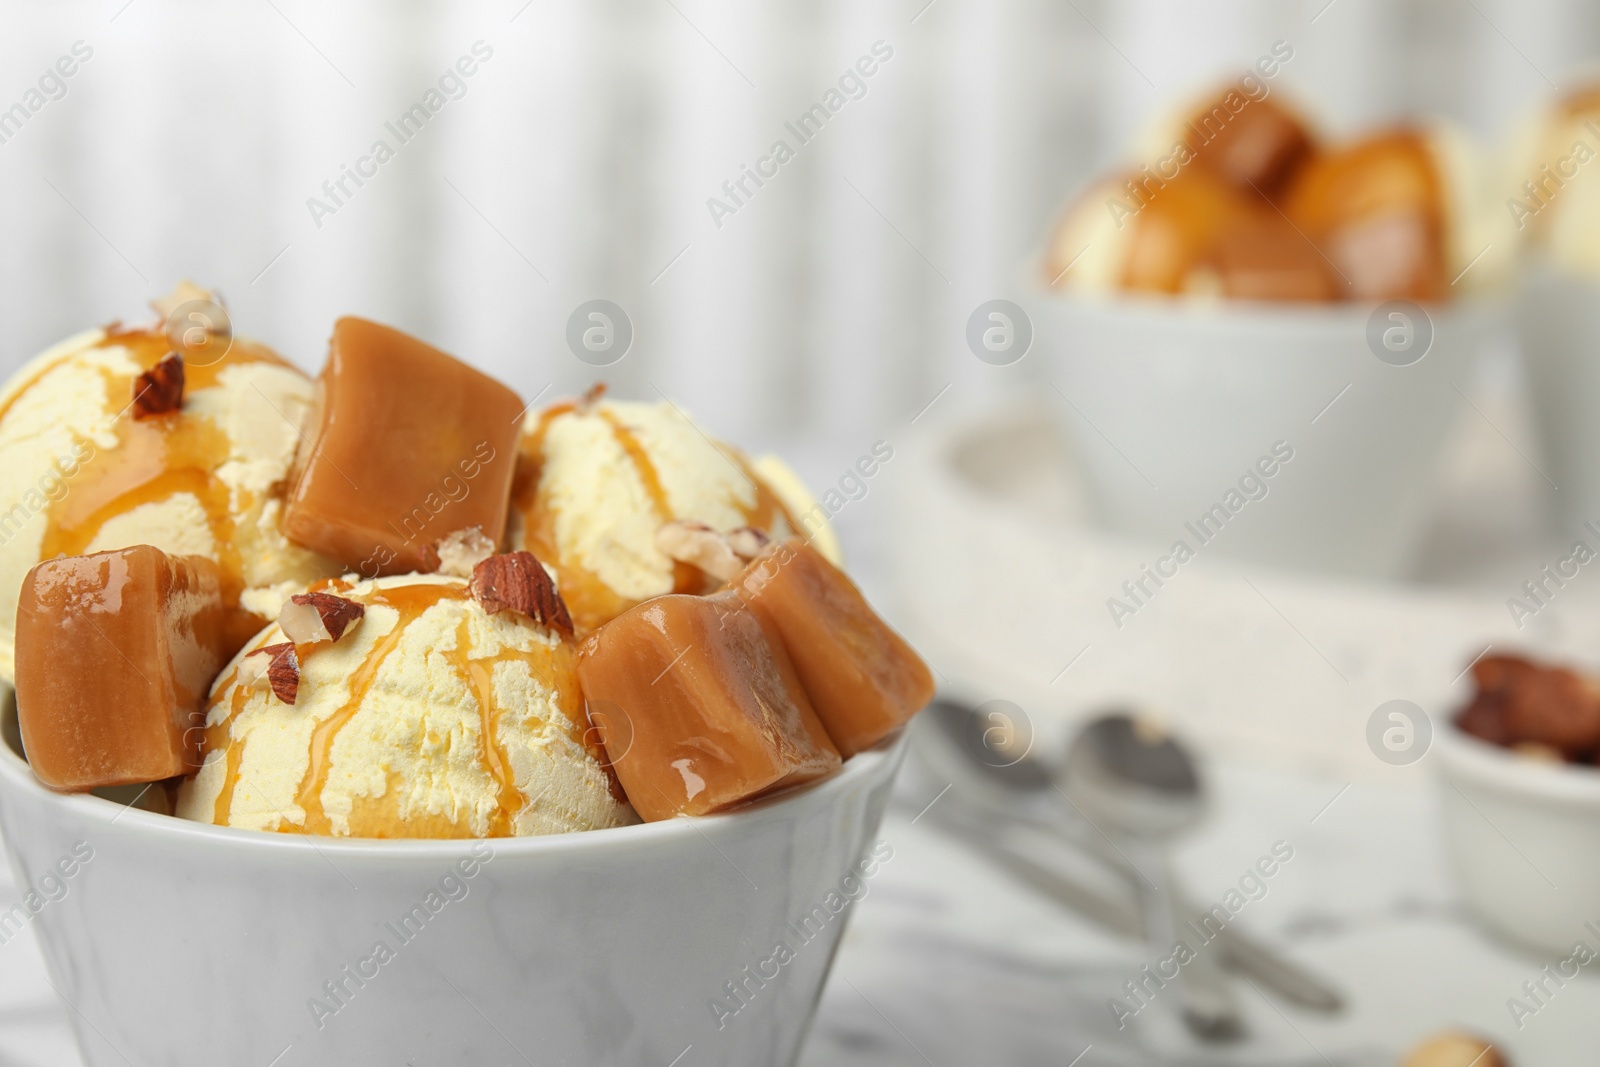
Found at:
[1196, 217]
[428, 717]
[1553, 188]
[1195, 234]
[1454, 1050]
[193, 466]
[597, 479]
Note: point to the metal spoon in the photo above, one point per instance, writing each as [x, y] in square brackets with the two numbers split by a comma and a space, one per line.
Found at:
[997, 785]
[1131, 778]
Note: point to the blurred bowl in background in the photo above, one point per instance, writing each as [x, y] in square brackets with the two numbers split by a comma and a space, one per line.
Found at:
[1524, 837]
[1558, 325]
[1304, 437]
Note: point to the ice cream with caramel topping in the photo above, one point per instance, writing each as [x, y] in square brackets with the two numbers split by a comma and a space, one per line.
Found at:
[1240, 199]
[81, 474]
[598, 478]
[513, 662]
[430, 718]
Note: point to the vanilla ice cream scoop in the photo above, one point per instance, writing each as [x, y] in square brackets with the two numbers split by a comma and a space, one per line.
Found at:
[1553, 188]
[1087, 250]
[597, 479]
[1480, 238]
[85, 473]
[429, 717]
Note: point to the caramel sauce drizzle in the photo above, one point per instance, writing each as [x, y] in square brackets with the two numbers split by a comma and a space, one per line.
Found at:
[686, 578]
[479, 676]
[153, 460]
[642, 464]
[410, 601]
[234, 757]
[552, 668]
[591, 601]
[769, 506]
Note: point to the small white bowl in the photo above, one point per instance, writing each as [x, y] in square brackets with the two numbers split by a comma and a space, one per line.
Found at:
[1172, 404]
[1524, 837]
[1558, 321]
[177, 943]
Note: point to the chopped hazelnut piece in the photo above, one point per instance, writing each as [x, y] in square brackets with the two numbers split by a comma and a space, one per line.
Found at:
[277, 666]
[698, 706]
[311, 617]
[406, 444]
[181, 294]
[1256, 149]
[748, 542]
[159, 390]
[115, 654]
[700, 545]
[462, 551]
[1522, 702]
[518, 581]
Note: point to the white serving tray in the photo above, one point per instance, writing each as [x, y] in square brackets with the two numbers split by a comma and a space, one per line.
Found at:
[1002, 578]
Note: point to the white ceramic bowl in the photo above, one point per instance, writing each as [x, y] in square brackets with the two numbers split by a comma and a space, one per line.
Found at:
[1524, 837]
[1171, 404]
[1558, 325]
[179, 944]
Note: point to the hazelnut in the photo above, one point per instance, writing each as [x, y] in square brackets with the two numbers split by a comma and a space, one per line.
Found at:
[311, 617]
[461, 551]
[182, 293]
[1521, 701]
[518, 581]
[748, 542]
[700, 545]
[159, 390]
[274, 665]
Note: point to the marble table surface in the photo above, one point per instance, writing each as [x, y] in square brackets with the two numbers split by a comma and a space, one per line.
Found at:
[951, 962]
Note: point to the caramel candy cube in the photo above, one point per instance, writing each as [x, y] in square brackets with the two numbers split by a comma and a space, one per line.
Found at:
[863, 679]
[1175, 234]
[407, 445]
[1262, 258]
[1377, 210]
[115, 654]
[1255, 144]
[698, 706]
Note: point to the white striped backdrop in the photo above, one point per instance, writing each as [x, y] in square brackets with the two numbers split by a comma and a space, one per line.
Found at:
[825, 312]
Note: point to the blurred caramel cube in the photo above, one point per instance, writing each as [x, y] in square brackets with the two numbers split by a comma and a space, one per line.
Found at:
[698, 706]
[863, 679]
[115, 654]
[407, 445]
[1376, 209]
[1262, 258]
[1175, 232]
[1255, 144]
